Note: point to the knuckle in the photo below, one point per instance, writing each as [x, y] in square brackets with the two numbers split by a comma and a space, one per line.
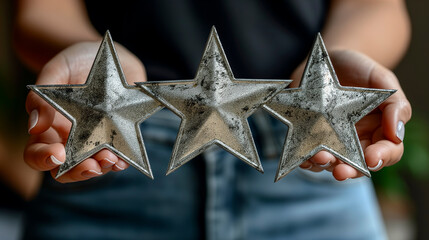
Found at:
[389, 75]
[405, 109]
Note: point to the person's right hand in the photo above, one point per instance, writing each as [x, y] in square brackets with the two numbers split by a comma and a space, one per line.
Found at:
[49, 129]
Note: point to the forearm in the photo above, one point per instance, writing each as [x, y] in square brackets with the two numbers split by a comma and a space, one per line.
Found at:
[45, 27]
[377, 28]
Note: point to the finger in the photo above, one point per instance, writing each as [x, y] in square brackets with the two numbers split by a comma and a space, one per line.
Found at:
[49, 136]
[83, 171]
[383, 153]
[120, 166]
[307, 165]
[109, 161]
[368, 124]
[106, 159]
[343, 172]
[41, 114]
[323, 159]
[395, 115]
[365, 143]
[43, 157]
[61, 125]
[311, 167]
[396, 109]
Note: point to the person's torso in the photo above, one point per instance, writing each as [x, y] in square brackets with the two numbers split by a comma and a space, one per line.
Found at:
[262, 39]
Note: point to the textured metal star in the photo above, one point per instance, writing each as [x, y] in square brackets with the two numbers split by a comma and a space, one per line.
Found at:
[105, 112]
[321, 115]
[214, 107]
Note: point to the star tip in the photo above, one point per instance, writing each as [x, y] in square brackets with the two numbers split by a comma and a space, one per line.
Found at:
[169, 171]
[148, 172]
[386, 93]
[281, 174]
[367, 173]
[107, 34]
[31, 87]
[213, 32]
[107, 37]
[319, 38]
[318, 45]
[59, 174]
[277, 178]
[392, 91]
[318, 42]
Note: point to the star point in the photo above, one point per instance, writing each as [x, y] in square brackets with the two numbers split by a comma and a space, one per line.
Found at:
[105, 112]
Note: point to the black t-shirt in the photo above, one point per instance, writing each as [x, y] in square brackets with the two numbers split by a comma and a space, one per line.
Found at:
[262, 39]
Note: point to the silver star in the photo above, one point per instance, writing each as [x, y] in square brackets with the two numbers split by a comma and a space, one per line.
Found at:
[214, 108]
[105, 112]
[321, 115]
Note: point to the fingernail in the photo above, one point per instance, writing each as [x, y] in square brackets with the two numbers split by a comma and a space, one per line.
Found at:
[107, 163]
[32, 121]
[328, 164]
[380, 162]
[346, 179]
[307, 168]
[400, 130]
[118, 168]
[91, 173]
[55, 161]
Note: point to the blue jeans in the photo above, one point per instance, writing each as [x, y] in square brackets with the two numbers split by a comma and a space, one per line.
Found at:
[214, 196]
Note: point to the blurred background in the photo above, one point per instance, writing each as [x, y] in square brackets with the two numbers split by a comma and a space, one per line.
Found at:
[402, 189]
[18, 183]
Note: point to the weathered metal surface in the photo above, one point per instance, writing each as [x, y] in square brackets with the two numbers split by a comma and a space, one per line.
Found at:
[105, 112]
[321, 115]
[214, 107]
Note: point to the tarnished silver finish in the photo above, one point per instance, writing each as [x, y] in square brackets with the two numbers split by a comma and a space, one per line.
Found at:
[321, 115]
[105, 112]
[214, 107]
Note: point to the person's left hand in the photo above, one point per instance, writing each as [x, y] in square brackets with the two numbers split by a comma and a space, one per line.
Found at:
[382, 131]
